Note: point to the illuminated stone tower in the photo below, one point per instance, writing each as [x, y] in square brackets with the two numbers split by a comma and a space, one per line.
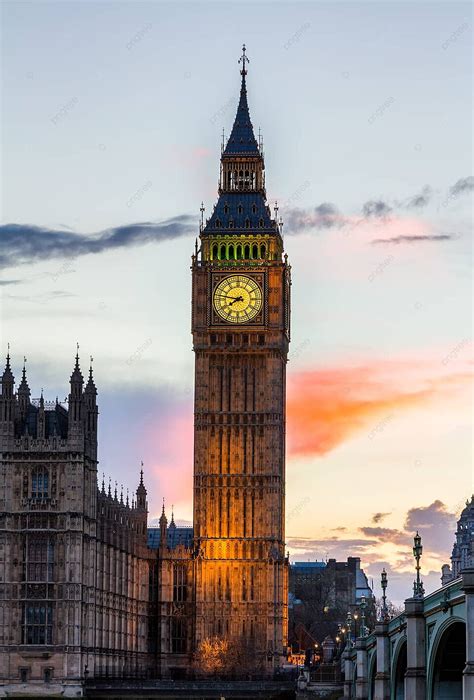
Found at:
[241, 332]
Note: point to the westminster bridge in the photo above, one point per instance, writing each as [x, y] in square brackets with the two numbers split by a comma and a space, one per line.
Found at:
[427, 653]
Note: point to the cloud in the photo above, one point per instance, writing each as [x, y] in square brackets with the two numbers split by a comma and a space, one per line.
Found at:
[331, 547]
[386, 534]
[396, 240]
[378, 517]
[462, 186]
[25, 243]
[5, 283]
[376, 208]
[418, 201]
[327, 215]
[324, 216]
[327, 406]
[435, 524]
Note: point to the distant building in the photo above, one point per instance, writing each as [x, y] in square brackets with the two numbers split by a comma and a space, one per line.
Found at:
[462, 556]
[320, 596]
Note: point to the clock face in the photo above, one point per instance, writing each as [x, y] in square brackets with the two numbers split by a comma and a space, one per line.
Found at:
[237, 299]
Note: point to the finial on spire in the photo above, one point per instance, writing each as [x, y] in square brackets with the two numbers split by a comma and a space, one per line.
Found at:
[163, 509]
[77, 355]
[24, 367]
[8, 356]
[141, 474]
[243, 59]
[202, 210]
[110, 487]
[103, 483]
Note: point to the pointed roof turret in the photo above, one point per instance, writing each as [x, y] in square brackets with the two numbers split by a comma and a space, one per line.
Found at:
[242, 139]
[172, 522]
[7, 372]
[76, 376]
[141, 492]
[90, 386]
[23, 385]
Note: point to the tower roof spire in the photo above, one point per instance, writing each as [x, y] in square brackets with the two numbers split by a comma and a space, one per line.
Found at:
[242, 139]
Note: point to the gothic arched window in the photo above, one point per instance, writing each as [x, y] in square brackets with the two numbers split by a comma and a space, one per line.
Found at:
[222, 255]
[255, 251]
[230, 255]
[40, 483]
[247, 223]
[215, 251]
[247, 252]
[218, 223]
[263, 250]
[239, 252]
[260, 223]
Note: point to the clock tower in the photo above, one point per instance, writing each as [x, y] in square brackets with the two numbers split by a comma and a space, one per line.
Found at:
[241, 332]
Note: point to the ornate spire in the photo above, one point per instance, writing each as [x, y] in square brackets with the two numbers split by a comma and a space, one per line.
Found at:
[141, 492]
[76, 376]
[23, 390]
[7, 374]
[90, 386]
[242, 139]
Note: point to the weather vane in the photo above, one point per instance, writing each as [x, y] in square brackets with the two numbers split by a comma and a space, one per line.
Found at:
[243, 59]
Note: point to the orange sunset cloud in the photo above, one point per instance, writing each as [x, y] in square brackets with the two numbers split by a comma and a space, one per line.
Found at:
[327, 406]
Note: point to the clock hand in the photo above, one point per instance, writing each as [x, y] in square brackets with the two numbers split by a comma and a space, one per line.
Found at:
[235, 299]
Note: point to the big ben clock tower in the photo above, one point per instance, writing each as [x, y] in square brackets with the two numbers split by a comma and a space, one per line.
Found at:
[241, 332]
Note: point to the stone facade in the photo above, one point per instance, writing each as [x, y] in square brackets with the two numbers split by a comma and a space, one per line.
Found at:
[75, 569]
[239, 447]
[462, 556]
[87, 590]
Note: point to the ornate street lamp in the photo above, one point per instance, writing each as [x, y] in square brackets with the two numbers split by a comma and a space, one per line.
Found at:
[348, 625]
[418, 590]
[363, 605]
[383, 583]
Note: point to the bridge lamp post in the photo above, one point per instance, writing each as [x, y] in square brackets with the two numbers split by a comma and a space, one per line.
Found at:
[356, 617]
[418, 590]
[383, 582]
[363, 605]
[348, 625]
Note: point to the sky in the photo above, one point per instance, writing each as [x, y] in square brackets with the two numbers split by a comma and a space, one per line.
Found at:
[112, 118]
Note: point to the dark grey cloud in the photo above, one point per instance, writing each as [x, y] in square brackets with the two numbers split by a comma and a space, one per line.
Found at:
[435, 524]
[462, 186]
[378, 517]
[386, 534]
[376, 208]
[418, 201]
[26, 243]
[324, 216]
[5, 283]
[396, 240]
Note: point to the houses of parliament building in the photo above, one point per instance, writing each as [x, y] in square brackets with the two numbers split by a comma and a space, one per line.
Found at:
[87, 590]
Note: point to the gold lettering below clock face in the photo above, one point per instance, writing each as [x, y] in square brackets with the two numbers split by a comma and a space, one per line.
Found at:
[238, 299]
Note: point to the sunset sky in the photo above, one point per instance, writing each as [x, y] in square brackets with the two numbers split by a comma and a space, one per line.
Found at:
[112, 121]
